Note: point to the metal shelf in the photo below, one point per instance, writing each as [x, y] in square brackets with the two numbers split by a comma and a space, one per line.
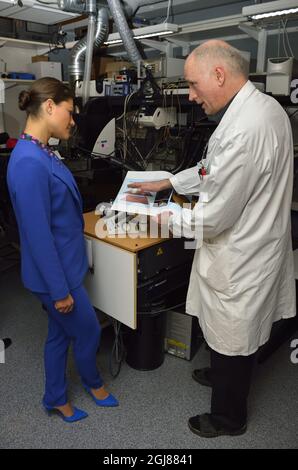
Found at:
[12, 83]
[12, 42]
[15, 80]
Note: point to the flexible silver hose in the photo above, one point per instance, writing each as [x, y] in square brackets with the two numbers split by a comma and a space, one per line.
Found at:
[78, 52]
[124, 31]
[88, 58]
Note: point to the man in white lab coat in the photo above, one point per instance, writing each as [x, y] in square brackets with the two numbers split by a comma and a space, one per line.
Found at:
[242, 278]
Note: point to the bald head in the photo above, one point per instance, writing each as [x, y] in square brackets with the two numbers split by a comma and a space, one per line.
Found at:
[216, 72]
[222, 54]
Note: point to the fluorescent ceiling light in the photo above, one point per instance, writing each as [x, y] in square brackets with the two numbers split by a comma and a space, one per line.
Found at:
[155, 30]
[271, 9]
[275, 13]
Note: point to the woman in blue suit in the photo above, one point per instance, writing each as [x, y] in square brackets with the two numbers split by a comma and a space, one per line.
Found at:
[48, 209]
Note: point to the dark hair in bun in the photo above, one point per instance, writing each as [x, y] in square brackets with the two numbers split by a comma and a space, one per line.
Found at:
[42, 90]
[24, 99]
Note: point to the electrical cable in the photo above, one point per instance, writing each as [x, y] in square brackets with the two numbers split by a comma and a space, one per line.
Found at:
[124, 164]
[179, 108]
[57, 41]
[111, 159]
[118, 350]
[185, 156]
[286, 52]
[153, 148]
[124, 126]
[134, 145]
[278, 39]
[287, 37]
[168, 11]
[95, 153]
[127, 99]
[133, 125]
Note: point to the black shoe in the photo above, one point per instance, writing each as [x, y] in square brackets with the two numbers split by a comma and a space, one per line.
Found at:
[205, 426]
[7, 342]
[202, 376]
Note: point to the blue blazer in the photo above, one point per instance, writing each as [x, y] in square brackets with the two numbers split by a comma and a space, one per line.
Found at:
[48, 209]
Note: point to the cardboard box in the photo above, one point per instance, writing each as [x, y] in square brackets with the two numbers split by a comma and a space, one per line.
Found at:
[111, 66]
[39, 58]
[46, 69]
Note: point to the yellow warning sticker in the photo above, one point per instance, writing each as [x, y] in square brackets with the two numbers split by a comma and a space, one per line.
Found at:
[178, 344]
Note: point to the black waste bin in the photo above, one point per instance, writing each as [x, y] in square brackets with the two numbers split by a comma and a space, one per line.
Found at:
[145, 345]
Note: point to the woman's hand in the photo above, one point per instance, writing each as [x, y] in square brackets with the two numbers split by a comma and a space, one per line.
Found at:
[65, 305]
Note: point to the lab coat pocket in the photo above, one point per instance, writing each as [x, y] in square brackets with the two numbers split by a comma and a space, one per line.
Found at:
[213, 266]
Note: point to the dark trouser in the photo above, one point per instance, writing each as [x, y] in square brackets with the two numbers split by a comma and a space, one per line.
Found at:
[231, 377]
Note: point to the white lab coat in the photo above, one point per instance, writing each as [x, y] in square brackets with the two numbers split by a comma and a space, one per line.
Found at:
[242, 277]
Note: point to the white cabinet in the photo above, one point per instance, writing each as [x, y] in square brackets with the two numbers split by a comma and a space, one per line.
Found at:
[112, 284]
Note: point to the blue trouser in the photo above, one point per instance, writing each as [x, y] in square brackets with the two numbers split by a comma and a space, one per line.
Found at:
[80, 326]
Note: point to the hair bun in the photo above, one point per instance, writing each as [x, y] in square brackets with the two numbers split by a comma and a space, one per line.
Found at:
[24, 99]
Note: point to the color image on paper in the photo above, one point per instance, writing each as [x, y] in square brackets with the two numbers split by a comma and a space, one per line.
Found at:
[135, 200]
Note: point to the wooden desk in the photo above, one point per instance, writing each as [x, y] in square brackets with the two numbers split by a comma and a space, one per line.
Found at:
[130, 244]
[112, 281]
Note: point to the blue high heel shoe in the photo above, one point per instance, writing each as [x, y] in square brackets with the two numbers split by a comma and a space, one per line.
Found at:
[110, 400]
[77, 415]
